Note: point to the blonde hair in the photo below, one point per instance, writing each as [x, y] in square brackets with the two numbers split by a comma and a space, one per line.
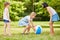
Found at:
[33, 13]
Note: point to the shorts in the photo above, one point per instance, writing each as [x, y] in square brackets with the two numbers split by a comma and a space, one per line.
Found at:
[21, 23]
[6, 21]
[55, 18]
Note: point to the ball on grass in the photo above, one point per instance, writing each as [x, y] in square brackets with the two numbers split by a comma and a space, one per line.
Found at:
[38, 29]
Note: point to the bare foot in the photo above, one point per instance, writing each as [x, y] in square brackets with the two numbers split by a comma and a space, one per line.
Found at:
[9, 34]
[22, 33]
[27, 33]
[52, 34]
[4, 34]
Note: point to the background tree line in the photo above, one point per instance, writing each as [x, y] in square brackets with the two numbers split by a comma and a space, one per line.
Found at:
[21, 8]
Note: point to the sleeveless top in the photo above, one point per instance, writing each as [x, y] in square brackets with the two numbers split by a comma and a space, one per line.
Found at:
[52, 11]
[5, 13]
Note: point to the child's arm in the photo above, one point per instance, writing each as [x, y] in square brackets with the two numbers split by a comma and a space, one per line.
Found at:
[50, 14]
[32, 24]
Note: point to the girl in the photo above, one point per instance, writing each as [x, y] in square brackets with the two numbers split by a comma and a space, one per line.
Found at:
[27, 21]
[53, 16]
[6, 19]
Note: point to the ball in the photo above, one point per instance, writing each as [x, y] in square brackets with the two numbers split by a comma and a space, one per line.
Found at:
[38, 29]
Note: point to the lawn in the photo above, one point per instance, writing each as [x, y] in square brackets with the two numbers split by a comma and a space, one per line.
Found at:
[16, 32]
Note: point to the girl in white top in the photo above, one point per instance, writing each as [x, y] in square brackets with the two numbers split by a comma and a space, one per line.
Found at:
[6, 19]
[5, 14]
[53, 16]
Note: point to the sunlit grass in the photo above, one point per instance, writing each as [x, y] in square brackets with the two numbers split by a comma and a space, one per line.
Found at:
[16, 32]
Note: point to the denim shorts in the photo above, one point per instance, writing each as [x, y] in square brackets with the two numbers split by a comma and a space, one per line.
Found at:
[21, 23]
[6, 21]
[55, 17]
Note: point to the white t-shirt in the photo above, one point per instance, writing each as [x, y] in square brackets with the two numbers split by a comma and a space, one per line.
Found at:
[25, 19]
[52, 10]
[6, 14]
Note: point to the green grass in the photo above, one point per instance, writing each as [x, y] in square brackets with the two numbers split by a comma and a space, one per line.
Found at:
[44, 24]
[45, 35]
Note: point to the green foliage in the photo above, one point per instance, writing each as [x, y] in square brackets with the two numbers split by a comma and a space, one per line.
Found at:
[1, 9]
[42, 13]
[16, 10]
[21, 8]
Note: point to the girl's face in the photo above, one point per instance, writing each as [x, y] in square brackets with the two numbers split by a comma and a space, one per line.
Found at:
[7, 6]
[33, 16]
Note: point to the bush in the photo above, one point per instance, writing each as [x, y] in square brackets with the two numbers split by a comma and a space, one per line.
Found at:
[42, 13]
[16, 9]
[21, 8]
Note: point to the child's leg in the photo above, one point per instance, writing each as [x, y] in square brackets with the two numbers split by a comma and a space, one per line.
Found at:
[28, 29]
[34, 28]
[8, 27]
[25, 29]
[51, 28]
[5, 26]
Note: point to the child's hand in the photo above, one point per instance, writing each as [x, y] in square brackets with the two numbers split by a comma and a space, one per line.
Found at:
[34, 25]
[50, 21]
[9, 20]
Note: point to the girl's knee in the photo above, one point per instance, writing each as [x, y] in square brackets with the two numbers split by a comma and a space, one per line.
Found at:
[50, 23]
[29, 27]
